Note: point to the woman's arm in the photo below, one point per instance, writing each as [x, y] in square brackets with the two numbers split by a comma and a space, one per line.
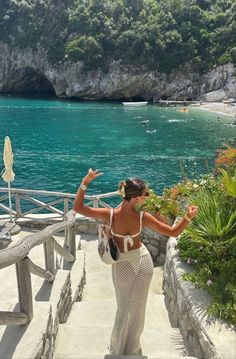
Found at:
[151, 222]
[80, 207]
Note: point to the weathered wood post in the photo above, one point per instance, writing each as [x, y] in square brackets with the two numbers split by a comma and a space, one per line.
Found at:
[18, 208]
[49, 255]
[96, 203]
[24, 287]
[66, 205]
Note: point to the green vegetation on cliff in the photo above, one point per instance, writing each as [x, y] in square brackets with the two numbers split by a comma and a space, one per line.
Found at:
[158, 34]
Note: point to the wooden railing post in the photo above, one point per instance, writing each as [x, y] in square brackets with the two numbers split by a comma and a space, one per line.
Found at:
[18, 209]
[49, 255]
[66, 198]
[24, 287]
[66, 205]
[71, 232]
[96, 203]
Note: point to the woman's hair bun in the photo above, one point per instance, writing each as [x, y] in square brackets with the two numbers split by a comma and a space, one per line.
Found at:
[131, 188]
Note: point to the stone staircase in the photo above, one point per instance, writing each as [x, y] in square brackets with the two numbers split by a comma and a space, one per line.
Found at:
[87, 331]
[51, 302]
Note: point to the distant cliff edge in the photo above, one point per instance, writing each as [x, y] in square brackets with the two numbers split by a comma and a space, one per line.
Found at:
[27, 71]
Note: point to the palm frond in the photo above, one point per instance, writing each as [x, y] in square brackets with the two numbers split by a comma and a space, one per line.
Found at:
[229, 182]
[216, 217]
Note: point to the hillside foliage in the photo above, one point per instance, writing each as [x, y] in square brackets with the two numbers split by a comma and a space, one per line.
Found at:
[159, 34]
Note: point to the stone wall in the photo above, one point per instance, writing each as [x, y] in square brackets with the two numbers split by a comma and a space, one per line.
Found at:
[205, 337]
[86, 225]
[156, 244]
[59, 310]
[56, 316]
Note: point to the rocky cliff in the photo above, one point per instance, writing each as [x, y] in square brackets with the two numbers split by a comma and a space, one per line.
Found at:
[28, 71]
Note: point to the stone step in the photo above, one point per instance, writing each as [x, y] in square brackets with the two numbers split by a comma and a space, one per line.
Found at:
[41, 289]
[124, 357]
[92, 342]
[102, 311]
[29, 341]
[141, 357]
[82, 342]
[98, 286]
[85, 314]
[89, 243]
[159, 338]
[86, 334]
[78, 276]
[25, 341]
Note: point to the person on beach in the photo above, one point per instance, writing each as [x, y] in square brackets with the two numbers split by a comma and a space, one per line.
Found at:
[133, 270]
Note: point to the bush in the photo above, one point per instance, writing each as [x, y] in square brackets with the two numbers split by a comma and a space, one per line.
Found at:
[160, 35]
[86, 49]
[187, 187]
[226, 159]
[233, 54]
[161, 206]
[208, 244]
[224, 59]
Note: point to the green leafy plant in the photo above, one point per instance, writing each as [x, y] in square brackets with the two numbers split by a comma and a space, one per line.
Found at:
[209, 244]
[229, 182]
[188, 187]
[138, 33]
[162, 205]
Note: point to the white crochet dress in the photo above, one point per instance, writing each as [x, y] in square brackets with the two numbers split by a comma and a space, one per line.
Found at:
[131, 277]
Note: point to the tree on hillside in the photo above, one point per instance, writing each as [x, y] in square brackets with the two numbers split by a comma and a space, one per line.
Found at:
[158, 34]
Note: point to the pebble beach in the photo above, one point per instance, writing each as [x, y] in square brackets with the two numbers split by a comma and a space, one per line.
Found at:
[219, 107]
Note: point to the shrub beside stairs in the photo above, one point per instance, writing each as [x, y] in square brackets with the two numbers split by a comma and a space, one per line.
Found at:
[87, 331]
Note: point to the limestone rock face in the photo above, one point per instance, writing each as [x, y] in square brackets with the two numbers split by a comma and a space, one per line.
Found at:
[29, 71]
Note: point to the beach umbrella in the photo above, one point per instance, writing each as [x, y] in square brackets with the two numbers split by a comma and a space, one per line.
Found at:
[8, 174]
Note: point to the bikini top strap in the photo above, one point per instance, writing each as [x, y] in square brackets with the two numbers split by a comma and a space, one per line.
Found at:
[111, 216]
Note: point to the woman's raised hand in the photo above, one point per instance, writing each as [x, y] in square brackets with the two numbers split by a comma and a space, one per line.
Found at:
[192, 211]
[92, 174]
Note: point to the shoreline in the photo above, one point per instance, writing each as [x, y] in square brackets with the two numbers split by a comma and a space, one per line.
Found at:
[217, 107]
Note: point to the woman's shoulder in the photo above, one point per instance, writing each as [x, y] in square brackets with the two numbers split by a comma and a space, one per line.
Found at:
[147, 217]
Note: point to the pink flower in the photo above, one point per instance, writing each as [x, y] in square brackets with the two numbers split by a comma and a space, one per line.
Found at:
[209, 282]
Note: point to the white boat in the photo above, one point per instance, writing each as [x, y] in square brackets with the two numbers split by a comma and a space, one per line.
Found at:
[135, 104]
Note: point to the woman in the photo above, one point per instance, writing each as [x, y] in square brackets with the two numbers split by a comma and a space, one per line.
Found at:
[133, 271]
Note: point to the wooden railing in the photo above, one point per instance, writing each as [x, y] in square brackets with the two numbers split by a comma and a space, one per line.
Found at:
[17, 254]
[63, 200]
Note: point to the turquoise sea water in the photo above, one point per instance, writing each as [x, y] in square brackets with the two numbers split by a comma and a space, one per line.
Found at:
[55, 142]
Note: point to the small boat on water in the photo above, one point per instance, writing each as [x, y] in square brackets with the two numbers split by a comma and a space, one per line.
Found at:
[144, 122]
[135, 104]
[151, 131]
